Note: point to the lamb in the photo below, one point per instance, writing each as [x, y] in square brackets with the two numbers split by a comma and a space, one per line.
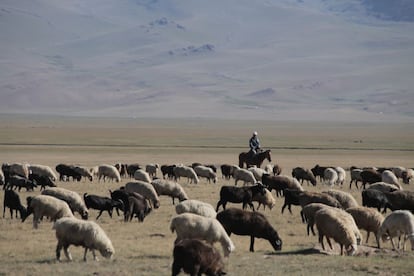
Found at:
[266, 200]
[390, 178]
[151, 169]
[43, 170]
[46, 206]
[330, 225]
[248, 223]
[138, 206]
[395, 224]
[73, 199]
[109, 171]
[302, 174]
[84, 172]
[192, 226]
[102, 204]
[383, 187]
[142, 175]
[145, 189]
[243, 174]
[341, 175]
[330, 176]
[239, 195]
[196, 207]
[368, 219]
[185, 171]
[196, 257]
[19, 169]
[12, 201]
[401, 200]
[370, 176]
[280, 183]
[88, 234]
[19, 182]
[355, 177]
[345, 199]
[169, 188]
[375, 198]
[207, 172]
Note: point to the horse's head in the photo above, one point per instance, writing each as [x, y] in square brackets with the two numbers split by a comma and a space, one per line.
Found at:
[269, 155]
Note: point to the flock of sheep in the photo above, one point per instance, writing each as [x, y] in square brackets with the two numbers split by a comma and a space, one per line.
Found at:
[198, 225]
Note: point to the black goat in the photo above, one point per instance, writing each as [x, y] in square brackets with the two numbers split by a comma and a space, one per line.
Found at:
[102, 204]
[239, 195]
[12, 201]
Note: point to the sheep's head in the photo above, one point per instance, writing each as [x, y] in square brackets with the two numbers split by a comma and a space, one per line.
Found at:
[107, 252]
[351, 250]
[84, 215]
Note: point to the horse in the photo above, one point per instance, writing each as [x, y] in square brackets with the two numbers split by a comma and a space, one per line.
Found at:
[256, 160]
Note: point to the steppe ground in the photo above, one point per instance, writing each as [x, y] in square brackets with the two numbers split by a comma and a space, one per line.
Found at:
[146, 248]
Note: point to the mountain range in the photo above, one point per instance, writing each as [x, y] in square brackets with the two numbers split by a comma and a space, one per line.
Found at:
[347, 60]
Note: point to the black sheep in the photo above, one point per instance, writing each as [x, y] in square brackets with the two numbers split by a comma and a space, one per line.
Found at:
[122, 195]
[376, 199]
[67, 171]
[370, 176]
[42, 180]
[20, 182]
[239, 195]
[248, 223]
[102, 204]
[138, 206]
[12, 201]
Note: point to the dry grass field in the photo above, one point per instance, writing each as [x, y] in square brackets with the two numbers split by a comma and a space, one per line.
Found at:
[146, 248]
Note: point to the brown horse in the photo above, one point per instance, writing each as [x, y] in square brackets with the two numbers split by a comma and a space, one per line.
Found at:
[257, 160]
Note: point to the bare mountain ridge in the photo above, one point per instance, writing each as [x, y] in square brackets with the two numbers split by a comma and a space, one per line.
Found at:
[273, 59]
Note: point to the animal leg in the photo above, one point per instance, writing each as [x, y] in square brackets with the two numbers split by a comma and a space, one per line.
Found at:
[176, 268]
[100, 213]
[84, 254]
[367, 237]
[251, 243]
[321, 241]
[58, 249]
[329, 242]
[67, 253]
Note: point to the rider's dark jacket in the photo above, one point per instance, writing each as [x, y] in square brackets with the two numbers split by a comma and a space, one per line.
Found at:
[254, 143]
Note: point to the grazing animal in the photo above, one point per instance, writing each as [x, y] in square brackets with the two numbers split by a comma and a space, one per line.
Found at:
[151, 169]
[227, 171]
[67, 171]
[42, 181]
[355, 177]
[341, 175]
[206, 172]
[88, 234]
[243, 174]
[345, 199]
[131, 168]
[168, 170]
[302, 174]
[370, 176]
[108, 171]
[256, 160]
[196, 207]
[169, 188]
[401, 200]
[73, 199]
[145, 189]
[138, 206]
[84, 172]
[102, 204]
[43, 170]
[376, 199]
[318, 171]
[280, 183]
[243, 195]
[19, 182]
[12, 201]
[196, 257]
[122, 195]
[390, 178]
[248, 223]
[400, 222]
[330, 176]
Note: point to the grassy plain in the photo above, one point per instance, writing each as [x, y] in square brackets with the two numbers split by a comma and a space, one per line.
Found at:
[146, 248]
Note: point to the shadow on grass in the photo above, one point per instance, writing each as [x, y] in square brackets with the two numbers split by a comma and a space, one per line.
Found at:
[304, 251]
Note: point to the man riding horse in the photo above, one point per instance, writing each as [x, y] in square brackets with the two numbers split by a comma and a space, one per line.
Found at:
[254, 145]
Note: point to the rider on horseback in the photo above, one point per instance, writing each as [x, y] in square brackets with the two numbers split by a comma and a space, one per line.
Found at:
[254, 144]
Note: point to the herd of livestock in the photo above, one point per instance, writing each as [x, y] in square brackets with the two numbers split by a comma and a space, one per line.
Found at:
[199, 225]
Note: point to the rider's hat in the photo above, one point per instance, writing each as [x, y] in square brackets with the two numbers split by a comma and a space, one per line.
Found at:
[255, 133]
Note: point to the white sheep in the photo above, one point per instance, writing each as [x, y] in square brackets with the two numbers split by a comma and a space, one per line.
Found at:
[185, 171]
[355, 177]
[151, 169]
[269, 168]
[341, 175]
[346, 199]
[330, 176]
[19, 169]
[400, 222]
[169, 188]
[88, 234]
[146, 190]
[47, 206]
[109, 171]
[368, 219]
[309, 212]
[73, 199]
[389, 177]
[196, 207]
[257, 172]
[398, 171]
[266, 200]
[383, 187]
[330, 225]
[43, 170]
[192, 226]
[245, 175]
[207, 172]
[142, 175]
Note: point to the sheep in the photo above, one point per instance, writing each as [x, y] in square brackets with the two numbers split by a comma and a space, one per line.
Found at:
[122, 168]
[330, 225]
[145, 189]
[248, 223]
[122, 195]
[151, 169]
[83, 171]
[383, 187]
[196, 207]
[355, 177]
[227, 171]
[407, 176]
[291, 198]
[169, 188]
[102, 204]
[318, 171]
[400, 222]
[168, 170]
[277, 170]
[368, 219]
[345, 199]
[142, 175]
[196, 257]
[19, 182]
[257, 172]
[330, 176]
[376, 199]
[309, 212]
[390, 178]
[42, 170]
[19, 169]
[305, 198]
[73, 199]
[243, 174]
[398, 171]
[239, 195]
[302, 174]
[280, 183]
[207, 172]
[341, 175]
[88, 234]
[48, 206]
[370, 176]
[266, 200]
[42, 181]
[185, 171]
[192, 226]
[2, 178]
[401, 200]
[131, 168]
[109, 171]
[12, 201]
[67, 171]
[138, 206]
